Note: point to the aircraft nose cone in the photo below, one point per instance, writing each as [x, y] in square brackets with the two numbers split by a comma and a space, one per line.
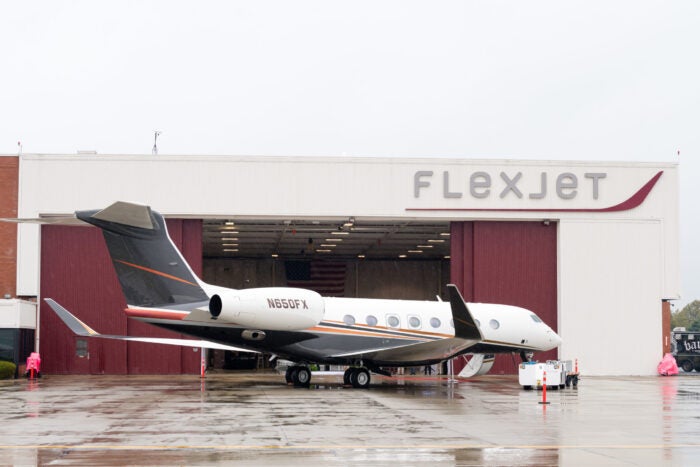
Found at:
[554, 339]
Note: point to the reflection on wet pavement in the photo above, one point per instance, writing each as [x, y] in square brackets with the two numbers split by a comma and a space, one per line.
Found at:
[257, 419]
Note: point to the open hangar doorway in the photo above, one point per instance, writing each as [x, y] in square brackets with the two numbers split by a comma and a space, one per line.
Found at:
[336, 257]
[491, 261]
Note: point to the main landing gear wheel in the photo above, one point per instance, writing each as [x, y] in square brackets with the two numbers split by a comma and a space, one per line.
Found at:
[302, 377]
[359, 378]
[346, 376]
[299, 376]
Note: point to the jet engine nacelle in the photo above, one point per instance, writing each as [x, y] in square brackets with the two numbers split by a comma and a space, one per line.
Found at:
[269, 308]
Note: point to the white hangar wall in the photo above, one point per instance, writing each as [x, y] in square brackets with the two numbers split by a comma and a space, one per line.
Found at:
[610, 291]
[614, 267]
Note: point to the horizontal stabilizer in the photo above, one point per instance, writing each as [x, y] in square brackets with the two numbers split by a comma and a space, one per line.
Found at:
[53, 220]
[121, 212]
[81, 329]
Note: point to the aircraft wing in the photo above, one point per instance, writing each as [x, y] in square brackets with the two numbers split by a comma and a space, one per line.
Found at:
[82, 329]
[442, 349]
[467, 334]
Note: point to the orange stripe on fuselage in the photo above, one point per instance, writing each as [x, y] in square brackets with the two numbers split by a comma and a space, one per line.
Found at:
[153, 271]
[353, 332]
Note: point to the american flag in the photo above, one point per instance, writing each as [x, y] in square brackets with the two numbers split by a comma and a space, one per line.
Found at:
[324, 277]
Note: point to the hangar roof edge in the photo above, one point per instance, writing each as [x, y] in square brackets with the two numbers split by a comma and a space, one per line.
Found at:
[347, 159]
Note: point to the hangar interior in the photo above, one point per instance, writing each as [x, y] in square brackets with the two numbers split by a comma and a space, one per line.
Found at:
[347, 257]
[351, 258]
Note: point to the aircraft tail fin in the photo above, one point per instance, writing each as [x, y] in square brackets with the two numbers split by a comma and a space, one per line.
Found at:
[151, 270]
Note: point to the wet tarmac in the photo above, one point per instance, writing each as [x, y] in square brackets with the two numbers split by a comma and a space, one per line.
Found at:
[255, 419]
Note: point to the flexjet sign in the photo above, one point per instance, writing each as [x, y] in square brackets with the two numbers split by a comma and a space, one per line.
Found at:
[512, 185]
[481, 185]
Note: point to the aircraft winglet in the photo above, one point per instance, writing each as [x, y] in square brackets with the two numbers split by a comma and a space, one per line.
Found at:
[465, 326]
[83, 330]
[73, 323]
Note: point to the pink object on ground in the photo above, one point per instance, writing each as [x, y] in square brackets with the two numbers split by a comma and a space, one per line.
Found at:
[667, 366]
[34, 362]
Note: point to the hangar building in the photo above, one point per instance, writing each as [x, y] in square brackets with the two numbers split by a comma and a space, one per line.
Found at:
[591, 247]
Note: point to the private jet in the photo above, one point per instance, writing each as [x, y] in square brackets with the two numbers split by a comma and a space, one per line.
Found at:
[294, 324]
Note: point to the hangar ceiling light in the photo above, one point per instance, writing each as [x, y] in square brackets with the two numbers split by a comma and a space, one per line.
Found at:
[331, 238]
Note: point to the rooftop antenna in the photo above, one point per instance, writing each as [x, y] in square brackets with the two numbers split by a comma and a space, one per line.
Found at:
[19, 148]
[155, 141]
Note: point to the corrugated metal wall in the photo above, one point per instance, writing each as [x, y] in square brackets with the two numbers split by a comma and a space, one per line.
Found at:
[513, 263]
[77, 272]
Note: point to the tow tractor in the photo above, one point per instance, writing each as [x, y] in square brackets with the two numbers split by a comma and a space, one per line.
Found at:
[560, 374]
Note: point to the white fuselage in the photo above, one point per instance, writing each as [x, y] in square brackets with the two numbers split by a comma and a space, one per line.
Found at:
[500, 325]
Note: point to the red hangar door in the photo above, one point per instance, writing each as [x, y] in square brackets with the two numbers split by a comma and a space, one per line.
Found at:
[77, 272]
[514, 263]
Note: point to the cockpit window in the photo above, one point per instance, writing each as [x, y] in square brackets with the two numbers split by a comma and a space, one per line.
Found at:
[535, 318]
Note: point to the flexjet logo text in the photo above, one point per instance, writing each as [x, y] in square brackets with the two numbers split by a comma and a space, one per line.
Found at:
[480, 185]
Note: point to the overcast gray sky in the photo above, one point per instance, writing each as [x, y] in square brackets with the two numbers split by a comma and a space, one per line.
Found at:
[575, 80]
